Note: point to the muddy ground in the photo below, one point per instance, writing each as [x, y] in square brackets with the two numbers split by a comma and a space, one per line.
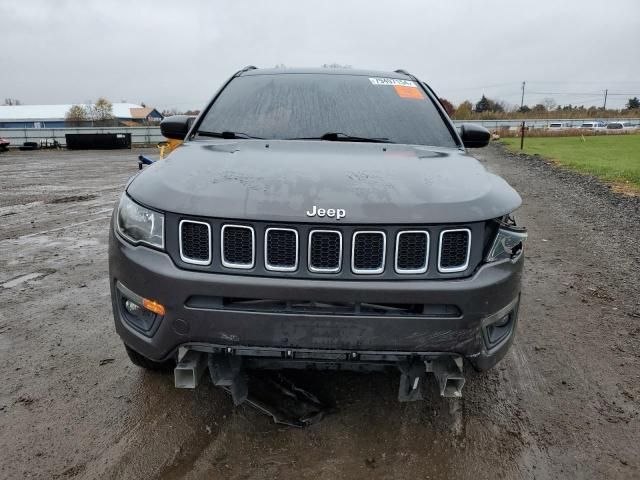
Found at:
[564, 403]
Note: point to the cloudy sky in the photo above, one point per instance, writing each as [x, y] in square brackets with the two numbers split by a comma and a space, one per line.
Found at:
[174, 54]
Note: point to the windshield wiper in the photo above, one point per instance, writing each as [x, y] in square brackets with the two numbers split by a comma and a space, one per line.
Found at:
[343, 137]
[226, 134]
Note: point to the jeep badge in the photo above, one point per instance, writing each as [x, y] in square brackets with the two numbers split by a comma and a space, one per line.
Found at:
[336, 213]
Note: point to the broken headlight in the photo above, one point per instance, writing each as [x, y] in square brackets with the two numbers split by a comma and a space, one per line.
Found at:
[138, 224]
[508, 242]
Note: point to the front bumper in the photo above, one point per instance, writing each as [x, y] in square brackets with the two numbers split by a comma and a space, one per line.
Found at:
[492, 292]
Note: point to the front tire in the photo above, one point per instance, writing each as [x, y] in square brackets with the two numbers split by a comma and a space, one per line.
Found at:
[143, 362]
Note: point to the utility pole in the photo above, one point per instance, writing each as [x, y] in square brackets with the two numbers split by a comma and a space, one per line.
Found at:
[522, 126]
[604, 106]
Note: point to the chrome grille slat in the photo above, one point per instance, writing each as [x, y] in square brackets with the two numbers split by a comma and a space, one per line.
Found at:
[324, 254]
[368, 252]
[454, 249]
[237, 250]
[430, 252]
[194, 240]
[281, 249]
[412, 252]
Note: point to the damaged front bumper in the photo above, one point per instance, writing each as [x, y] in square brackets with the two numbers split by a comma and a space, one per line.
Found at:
[479, 328]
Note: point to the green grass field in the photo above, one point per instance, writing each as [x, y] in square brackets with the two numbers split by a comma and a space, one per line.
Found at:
[614, 158]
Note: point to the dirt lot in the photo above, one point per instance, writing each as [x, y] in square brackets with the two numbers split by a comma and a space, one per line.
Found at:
[565, 402]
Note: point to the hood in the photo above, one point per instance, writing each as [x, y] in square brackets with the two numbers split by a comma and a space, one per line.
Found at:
[280, 181]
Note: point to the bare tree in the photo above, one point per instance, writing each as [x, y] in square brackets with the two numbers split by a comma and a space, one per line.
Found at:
[102, 110]
[539, 108]
[549, 103]
[12, 101]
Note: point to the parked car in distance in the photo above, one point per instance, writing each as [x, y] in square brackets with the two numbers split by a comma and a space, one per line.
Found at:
[4, 144]
[621, 126]
[559, 126]
[597, 125]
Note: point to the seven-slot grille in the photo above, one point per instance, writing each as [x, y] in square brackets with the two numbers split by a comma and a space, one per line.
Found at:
[238, 246]
[281, 249]
[325, 251]
[368, 252]
[455, 246]
[195, 242]
[412, 251]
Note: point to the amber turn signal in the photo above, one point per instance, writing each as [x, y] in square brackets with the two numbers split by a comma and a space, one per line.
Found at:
[154, 307]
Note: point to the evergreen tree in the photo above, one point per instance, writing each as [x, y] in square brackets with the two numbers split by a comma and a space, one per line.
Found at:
[483, 105]
[633, 103]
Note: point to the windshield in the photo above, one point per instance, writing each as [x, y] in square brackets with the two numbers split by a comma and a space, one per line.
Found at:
[308, 106]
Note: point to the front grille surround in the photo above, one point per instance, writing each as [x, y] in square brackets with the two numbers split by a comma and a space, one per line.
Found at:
[191, 260]
[327, 248]
[310, 265]
[412, 271]
[458, 268]
[368, 271]
[230, 264]
[280, 268]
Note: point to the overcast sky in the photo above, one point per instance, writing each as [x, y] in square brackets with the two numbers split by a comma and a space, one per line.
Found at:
[174, 54]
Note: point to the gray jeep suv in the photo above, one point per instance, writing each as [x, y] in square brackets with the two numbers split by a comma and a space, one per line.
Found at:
[318, 218]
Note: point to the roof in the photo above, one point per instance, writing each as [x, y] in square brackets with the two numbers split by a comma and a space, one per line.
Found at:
[325, 71]
[141, 113]
[56, 112]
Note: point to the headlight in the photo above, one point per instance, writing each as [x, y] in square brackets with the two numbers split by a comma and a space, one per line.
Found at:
[138, 224]
[508, 242]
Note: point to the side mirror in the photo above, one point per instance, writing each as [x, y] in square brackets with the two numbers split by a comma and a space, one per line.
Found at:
[474, 136]
[176, 126]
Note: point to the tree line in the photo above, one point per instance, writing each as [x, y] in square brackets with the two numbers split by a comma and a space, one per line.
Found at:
[489, 109]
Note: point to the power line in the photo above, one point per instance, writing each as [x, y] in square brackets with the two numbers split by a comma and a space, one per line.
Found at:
[594, 94]
[602, 82]
[567, 93]
[482, 87]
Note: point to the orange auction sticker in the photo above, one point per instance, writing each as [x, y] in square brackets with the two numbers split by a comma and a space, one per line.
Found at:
[408, 92]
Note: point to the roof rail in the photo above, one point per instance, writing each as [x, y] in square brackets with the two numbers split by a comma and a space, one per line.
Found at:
[246, 69]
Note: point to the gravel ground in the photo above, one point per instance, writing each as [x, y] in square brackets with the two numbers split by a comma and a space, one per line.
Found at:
[564, 403]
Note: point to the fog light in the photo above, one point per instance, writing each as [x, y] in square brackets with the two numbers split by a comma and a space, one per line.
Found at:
[132, 307]
[499, 330]
[139, 312]
[503, 321]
